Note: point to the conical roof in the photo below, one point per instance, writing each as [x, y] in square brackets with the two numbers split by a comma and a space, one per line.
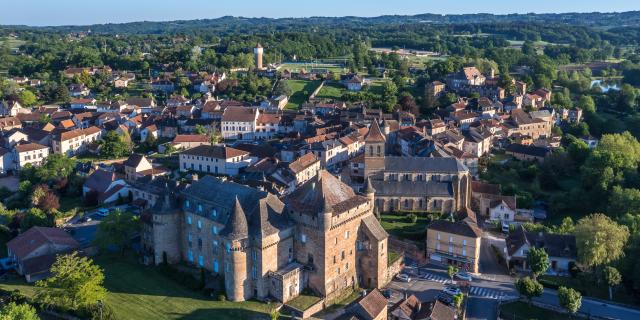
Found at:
[368, 188]
[375, 134]
[236, 227]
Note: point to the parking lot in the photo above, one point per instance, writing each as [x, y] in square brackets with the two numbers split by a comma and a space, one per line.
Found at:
[84, 228]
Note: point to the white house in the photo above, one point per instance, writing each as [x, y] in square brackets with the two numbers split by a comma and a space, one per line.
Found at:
[561, 249]
[238, 123]
[29, 153]
[215, 159]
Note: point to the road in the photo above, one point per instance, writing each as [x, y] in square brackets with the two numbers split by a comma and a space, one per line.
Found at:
[593, 307]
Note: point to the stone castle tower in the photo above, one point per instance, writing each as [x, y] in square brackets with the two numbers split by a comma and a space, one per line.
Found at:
[375, 145]
[236, 234]
[258, 51]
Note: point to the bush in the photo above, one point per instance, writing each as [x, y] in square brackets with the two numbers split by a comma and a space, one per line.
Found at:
[413, 217]
[222, 297]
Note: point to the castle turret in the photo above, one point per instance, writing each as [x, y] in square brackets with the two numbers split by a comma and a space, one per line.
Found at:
[236, 233]
[369, 191]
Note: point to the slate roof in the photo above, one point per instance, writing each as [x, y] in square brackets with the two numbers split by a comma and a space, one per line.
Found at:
[423, 164]
[459, 228]
[413, 188]
[372, 225]
[324, 192]
[264, 212]
[483, 187]
[134, 160]
[239, 114]
[371, 305]
[100, 180]
[236, 227]
[528, 150]
[374, 134]
[556, 245]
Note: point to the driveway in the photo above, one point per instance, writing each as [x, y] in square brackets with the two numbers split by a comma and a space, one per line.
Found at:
[489, 264]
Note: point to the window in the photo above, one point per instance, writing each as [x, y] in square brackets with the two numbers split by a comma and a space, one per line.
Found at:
[464, 242]
[214, 213]
[215, 265]
[450, 239]
[200, 261]
[214, 230]
[186, 204]
[303, 238]
[450, 249]
[227, 268]
[189, 220]
[190, 255]
[346, 234]
[438, 236]
[199, 224]
[464, 252]
[215, 246]
[342, 254]
[227, 247]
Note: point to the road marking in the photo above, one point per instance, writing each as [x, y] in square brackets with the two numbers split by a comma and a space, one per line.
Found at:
[490, 293]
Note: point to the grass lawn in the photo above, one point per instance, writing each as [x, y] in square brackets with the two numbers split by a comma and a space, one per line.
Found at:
[303, 302]
[295, 67]
[588, 288]
[344, 300]
[402, 227]
[522, 311]
[331, 90]
[301, 89]
[139, 292]
[70, 203]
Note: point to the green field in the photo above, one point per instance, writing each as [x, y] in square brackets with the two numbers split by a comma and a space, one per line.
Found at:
[301, 89]
[295, 67]
[139, 292]
[402, 227]
[11, 42]
[331, 90]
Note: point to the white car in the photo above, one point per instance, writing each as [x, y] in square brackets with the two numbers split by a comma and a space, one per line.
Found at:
[403, 277]
[451, 290]
[464, 276]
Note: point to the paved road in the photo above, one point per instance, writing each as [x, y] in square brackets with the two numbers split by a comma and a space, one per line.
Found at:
[481, 308]
[593, 307]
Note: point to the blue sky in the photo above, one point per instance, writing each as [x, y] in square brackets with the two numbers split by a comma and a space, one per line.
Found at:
[82, 12]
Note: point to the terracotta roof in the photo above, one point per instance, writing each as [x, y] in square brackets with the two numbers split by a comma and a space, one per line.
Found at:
[471, 72]
[268, 118]
[191, 138]
[303, 162]
[239, 114]
[9, 122]
[218, 152]
[371, 305]
[32, 239]
[67, 123]
[29, 147]
[483, 187]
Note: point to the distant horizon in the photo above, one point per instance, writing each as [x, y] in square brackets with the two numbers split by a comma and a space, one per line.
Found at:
[51, 13]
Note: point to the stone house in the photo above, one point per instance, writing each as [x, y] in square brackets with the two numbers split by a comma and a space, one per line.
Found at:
[454, 243]
[561, 249]
[218, 160]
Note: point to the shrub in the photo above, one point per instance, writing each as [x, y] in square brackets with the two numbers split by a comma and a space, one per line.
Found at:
[222, 297]
[413, 218]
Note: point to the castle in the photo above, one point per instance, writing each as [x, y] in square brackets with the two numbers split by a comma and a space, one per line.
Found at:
[323, 237]
[435, 184]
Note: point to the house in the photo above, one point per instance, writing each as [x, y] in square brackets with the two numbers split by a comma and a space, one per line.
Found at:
[371, 306]
[411, 308]
[78, 90]
[524, 124]
[468, 76]
[121, 82]
[503, 209]
[305, 168]
[29, 153]
[527, 152]
[35, 250]
[561, 249]
[82, 103]
[267, 125]
[8, 123]
[134, 166]
[355, 83]
[238, 123]
[105, 186]
[185, 111]
[74, 141]
[12, 108]
[332, 153]
[220, 160]
[149, 131]
[279, 102]
[163, 86]
[454, 243]
[477, 141]
[188, 141]
[142, 103]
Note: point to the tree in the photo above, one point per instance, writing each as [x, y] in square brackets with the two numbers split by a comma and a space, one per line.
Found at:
[56, 167]
[13, 311]
[623, 200]
[569, 299]
[457, 300]
[282, 88]
[529, 288]
[199, 129]
[408, 104]
[599, 239]
[538, 261]
[27, 98]
[34, 217]
[76, 283]
[116, 145]
[116, 229]
[451, 271]
[587, 104]
[612, 277]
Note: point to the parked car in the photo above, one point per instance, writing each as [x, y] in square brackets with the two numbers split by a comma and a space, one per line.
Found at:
[463, 276]
[451, 290]
[102, 212]
[505, 227]
[403, 277]
[445, 298]
[387, 293]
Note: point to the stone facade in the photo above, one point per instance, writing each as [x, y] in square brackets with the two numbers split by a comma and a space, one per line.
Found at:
[323, 237]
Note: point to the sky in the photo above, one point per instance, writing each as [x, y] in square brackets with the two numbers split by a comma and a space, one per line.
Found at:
[85, 12]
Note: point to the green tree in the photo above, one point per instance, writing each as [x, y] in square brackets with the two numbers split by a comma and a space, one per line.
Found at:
[624, 200]
[451, 271]
[76, 284]
[116, 145]
[56, 167]
[27, 98]
[587, 104]
[612, 277]
[569, 299]
[614, 154]
[282, 88]
[117, 229]
[199, 129]
[538, 261]
[529, 288]
[13, 311]
[599, 239]
[457, 300]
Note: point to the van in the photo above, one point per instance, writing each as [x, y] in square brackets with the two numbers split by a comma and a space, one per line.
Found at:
[505, 227]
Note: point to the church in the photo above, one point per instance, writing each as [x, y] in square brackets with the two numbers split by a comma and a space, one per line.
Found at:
[433, 184]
